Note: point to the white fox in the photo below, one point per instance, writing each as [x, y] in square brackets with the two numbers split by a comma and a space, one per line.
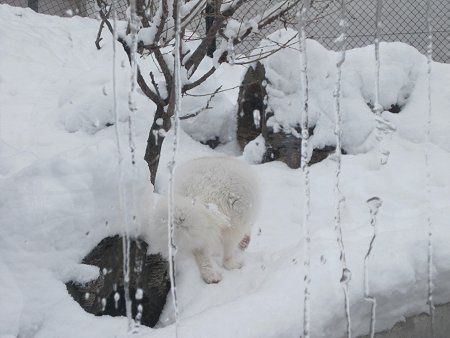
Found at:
[216, 203]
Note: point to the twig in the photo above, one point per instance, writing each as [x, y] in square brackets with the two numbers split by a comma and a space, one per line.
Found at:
[155, 85]
[102, 24]
[197, 112]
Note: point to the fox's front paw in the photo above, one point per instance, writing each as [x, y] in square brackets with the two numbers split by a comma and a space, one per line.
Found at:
[233, 263]
[211, 276]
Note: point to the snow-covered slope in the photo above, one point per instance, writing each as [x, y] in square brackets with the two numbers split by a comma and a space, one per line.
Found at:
[58, 198]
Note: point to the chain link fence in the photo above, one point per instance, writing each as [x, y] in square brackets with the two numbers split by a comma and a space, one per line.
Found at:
[402, 20]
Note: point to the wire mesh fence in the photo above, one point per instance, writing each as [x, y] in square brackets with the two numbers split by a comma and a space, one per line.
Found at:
[402, 20]
[58, 7]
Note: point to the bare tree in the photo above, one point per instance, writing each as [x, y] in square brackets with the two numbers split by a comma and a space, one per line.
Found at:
[156, 39]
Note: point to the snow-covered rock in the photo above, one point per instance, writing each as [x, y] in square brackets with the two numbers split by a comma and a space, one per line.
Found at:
[401, 65]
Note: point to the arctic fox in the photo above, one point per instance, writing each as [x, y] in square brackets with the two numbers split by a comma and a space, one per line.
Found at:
[216, 201]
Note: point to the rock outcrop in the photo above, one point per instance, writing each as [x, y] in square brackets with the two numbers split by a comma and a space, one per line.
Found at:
[148, 286]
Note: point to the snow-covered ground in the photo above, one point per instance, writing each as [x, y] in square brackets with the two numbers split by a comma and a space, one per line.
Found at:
[59, 181]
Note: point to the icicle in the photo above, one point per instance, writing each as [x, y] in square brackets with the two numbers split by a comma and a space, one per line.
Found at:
[125, 206]
[346, 274]
[377, 107]
[122, 197]
[428, 169]
[114, 70]
[374, 204]
[133, 23]
[172, 163]
[304, 165]
[383, 127]
[134, 27]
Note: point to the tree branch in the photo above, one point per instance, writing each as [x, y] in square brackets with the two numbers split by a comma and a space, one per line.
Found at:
[199, 81]
[140, 79]
[164, 68]
[197, 112]
[199, 54]
[268, 19]
[155, 85]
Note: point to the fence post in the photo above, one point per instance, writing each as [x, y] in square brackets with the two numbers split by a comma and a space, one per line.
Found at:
[33, 4]
[209, 18]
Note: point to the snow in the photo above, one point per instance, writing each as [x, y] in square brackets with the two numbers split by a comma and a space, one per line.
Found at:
[401, 65]
[254, 150]
[59, 188]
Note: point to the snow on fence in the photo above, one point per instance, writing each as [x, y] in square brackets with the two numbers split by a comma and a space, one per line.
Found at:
[403, 20]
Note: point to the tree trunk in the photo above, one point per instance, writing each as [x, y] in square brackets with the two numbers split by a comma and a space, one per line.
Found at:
[209, 19]
[161, 125]
[140, 8]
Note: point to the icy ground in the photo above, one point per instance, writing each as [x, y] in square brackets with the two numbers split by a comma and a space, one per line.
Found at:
[58, 197]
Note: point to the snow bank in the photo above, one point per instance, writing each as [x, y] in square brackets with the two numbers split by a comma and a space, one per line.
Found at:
[12, 303]
[401, 66]
[58, 183]
[59, 189]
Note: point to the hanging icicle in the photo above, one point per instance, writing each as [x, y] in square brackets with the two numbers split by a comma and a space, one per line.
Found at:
[383, 127]
[114, 70]
[339, 198]
[377, 107]
[304, 83]
[133, 22]
[172, 163]
[127, 200]
[428, 169]
[121, 186]
[374, 205]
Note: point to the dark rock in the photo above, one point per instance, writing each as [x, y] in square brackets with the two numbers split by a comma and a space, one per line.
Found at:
[280, 146]
[287, 148]
[319, 155]
[395, 109]
[213, 143]
[251, 98]
[148, 273]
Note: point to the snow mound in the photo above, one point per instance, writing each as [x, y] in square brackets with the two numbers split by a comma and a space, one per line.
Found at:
[82, 109]
[401, 67]
[255, 150]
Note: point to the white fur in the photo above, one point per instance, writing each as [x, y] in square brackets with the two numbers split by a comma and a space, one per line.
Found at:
[215, 205]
